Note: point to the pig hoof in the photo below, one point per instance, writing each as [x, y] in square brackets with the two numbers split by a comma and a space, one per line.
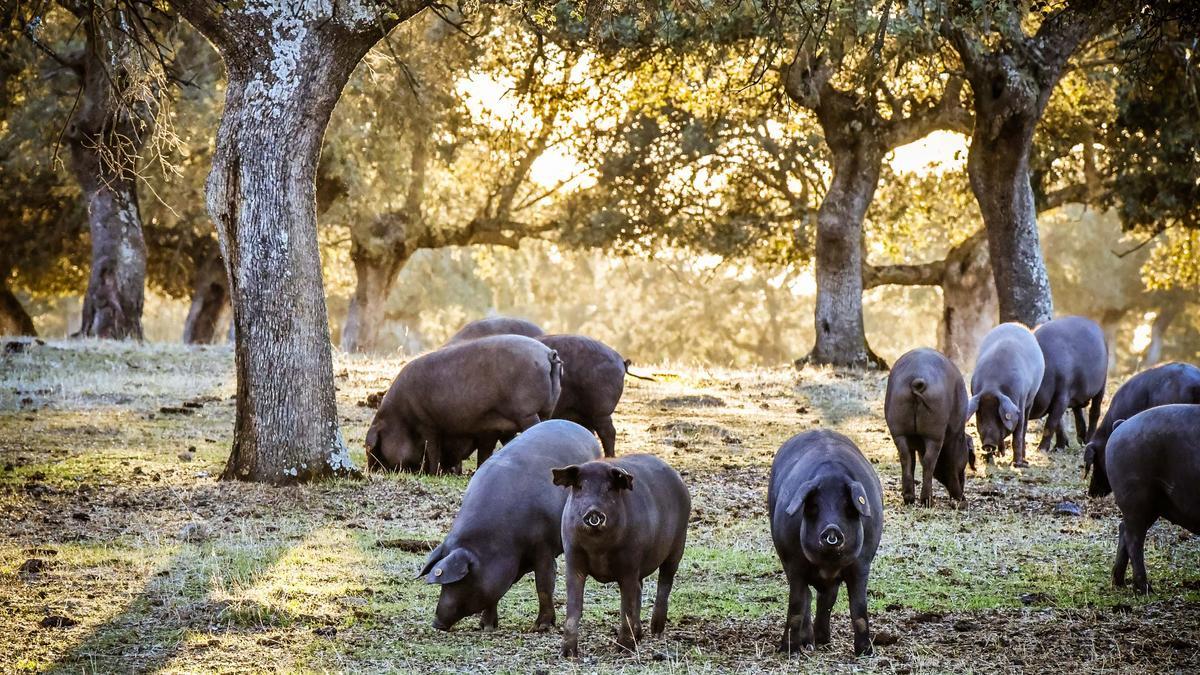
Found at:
[1020, 464]
[864, 650]
[909, 500]
[544, 626]
[570, 651]
[1142, 588]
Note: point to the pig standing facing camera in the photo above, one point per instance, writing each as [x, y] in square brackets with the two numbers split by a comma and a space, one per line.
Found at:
[624, 519]
[826, 510]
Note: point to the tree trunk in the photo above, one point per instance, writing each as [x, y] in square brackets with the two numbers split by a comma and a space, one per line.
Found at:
[375, 277]
[14, 320]
[285, 74]
[106, 135]
[210, 298]
[840, 337]
[1158, 329]
[969, 303]
[999, 170]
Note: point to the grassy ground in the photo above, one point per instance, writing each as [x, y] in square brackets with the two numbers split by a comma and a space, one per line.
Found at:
[110, 453]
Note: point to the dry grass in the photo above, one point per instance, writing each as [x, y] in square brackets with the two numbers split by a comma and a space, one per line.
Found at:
[163, 568]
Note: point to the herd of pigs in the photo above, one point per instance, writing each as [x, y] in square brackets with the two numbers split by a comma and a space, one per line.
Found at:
[618, 519]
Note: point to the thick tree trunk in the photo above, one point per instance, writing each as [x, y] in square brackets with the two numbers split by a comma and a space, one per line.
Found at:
[1158, 329]
[969, 303]
[261, 195]
[14, 320]
[210, 299]
[840, 337]
[999, 170]
[364, 321]
[105, 134]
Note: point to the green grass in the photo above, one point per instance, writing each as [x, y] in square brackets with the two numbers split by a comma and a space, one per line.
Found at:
[293, 579]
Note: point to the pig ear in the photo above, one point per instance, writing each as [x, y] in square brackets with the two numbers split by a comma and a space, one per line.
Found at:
[858, 495]
[450, 569]
[972, 406]
[373, 435]
[568, 476]
[1008, 412]
[434, 556]
[802, 494]
[622, 479]
[1117, 424]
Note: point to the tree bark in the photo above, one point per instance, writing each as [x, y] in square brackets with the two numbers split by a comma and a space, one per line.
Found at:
[286, 70]
[210, 299]
[14, 320]
[969, 303]
[375, 276]
[1011, 85]
[840, 337]
[106, 133]
[1166, 315]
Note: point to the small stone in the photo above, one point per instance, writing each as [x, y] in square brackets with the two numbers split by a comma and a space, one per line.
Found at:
[325, 631]
[1068, 509]
[32, 566]
[186, 456]
[195, 533]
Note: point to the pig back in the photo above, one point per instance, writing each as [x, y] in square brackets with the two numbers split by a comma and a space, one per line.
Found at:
[496, 325]
[925, 395]
[1076, 360]
[1011, 362]
[659, 508]
[1162, 385]
[454, 387]
[593, 375]
[512, 495]
[1153, 459]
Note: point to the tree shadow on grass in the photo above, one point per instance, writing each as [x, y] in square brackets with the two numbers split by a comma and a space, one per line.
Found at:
[187, 595]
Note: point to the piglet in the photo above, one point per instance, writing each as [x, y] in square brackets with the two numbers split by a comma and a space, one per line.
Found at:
[624, 518]
[826, 509]
[509, 525]
[1154, 469]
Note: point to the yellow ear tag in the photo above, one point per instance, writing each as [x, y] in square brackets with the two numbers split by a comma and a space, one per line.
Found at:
[437, 572]
[862, 499]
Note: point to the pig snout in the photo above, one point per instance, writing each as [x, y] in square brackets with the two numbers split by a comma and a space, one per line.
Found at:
[595, 519]
[832, 537]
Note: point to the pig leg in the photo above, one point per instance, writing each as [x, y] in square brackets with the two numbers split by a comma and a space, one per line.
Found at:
[1135, 546]
[528, 421]
[489, 619]
[1121, 564]
[608, 435]
[825, 600]
[933, 447]
[631, 612]
[856, 586]
[575, 581]
[543, 580]
[1053, 425]
[1094, 415]
[906, 468]
[666, 578]
[1019, 440]
[1080, 426]
[798, 630]
[1060, 437]
[433, 451]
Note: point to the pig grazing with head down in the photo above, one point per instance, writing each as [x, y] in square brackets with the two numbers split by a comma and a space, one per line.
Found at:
[508, 526]
[1154, 469]
[826, 508]
[593, 380]
[926, 411]
[484, 388]
[1076, 373]
[496, 325]
[1008, 374]
[624, 518]
[1161, 385]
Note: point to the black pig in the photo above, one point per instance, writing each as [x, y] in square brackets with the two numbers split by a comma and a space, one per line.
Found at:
[624, 519]
[496, 325]
[926, 411]
[1162, 385]
[1154, 468]
[1007, 376]
[508, 526]
[826, 510]
[459, 394]
[593, 380]
[1076, 372]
